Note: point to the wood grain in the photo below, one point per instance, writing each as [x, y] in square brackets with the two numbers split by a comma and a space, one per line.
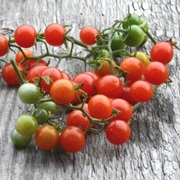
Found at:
[153, 152]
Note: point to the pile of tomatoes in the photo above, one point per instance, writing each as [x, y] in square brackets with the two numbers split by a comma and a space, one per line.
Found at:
[102, 99]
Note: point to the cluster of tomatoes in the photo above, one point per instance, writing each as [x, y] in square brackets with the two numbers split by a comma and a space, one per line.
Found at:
[104, 98]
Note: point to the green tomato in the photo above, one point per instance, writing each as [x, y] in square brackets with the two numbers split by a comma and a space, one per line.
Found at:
[117, 42]
[49, 106]
[26, 125]
[41, 115]
[104, 54]
[18, 140]
[133, 19]
[134, 36]
[29, 93]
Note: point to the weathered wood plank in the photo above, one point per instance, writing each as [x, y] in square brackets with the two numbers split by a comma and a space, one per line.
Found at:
[153, 152]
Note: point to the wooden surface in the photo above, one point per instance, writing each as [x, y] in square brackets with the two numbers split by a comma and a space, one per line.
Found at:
[153, 152]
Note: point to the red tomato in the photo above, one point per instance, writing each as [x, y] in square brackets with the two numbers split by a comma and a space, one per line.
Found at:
[109, 85]
[126, 95]
[9, 74]
[76, 118]
[72, 139]
[54, 34]
[100, 106]
[162, 52]
[46, 137]
[32, 63]
[134, 68]
[88, 35]
[88, 83]
[25, 36]
[49, 76]
[34, 73]
[156, 73]
[62, 91]
[65, 75]
[141, 91]
[118, 132]
[20, 57]
[4, 46]
[125, 109]
[105, 68]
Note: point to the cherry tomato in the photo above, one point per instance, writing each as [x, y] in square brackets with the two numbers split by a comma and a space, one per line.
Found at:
[46, 137]
[18, 140]
[126, 95]
[118, 132]
[49, 106]
[54, 34]
[156, 73]
[26, 125]
[142, 57]
[76, 118]
[9, 74]
[29, 93]
[28, 64]
[34, 74]
[100, 106]
[4, 46]
[134, 37]
[41, 115]
[134, 68]
[110, 86]
[162, 52]
[124, 108]
[105, 68]
[49, 76]
[133, 19]
[65, 75]
[20, 57]
[62, 91]
[72, 139]
[117, 42]
[88, 83]
[141, 91]
[88, 35]
[93, 75]
[25, 36]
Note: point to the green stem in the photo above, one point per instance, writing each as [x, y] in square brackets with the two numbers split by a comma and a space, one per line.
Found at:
[149, 35]
[22, 81]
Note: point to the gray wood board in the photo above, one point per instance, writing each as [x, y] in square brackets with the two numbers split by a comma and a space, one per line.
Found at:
[152, 153]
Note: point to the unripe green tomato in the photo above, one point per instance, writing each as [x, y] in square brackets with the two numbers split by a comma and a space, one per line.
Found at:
[49, 106]
[41, 115]
[104, 54]
[29, 93]
[133, 19]
[117, 42]
[26, 125]
[134, 37]
[18, 140]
